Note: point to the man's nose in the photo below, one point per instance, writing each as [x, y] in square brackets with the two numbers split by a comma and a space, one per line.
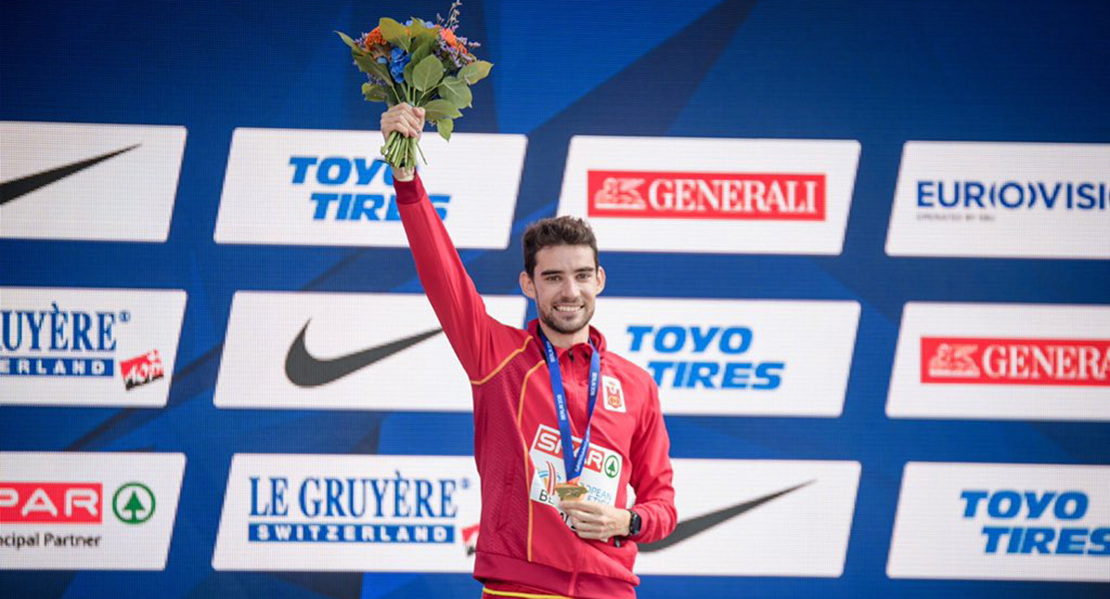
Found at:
[569, 289]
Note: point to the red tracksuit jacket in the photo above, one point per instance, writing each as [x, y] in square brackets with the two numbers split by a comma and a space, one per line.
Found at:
[523, 537]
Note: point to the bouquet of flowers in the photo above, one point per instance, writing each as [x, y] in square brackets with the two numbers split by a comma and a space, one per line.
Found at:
[426, 65]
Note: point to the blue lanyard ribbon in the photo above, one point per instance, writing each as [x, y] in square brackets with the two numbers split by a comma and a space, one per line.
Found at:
[571, 461]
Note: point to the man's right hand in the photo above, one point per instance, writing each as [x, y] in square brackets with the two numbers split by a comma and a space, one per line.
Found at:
[407, 121]
[403, 119]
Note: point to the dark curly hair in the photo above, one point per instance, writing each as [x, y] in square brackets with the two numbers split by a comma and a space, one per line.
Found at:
[562, 230]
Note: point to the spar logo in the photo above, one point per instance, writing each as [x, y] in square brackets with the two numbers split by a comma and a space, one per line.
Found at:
[993, 361]
[351, 188]
[62, 342]
[704, 357]
[549, 442]
[1025, 522]
[399, 509]
[940, 195]
[710, 196]
[73, 503]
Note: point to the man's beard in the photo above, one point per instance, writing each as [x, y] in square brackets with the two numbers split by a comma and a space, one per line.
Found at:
[559, 327]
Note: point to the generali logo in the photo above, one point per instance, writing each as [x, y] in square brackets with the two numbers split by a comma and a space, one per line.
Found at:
[712, 195]
[734, 196]
[1002, 361]
[966, 360]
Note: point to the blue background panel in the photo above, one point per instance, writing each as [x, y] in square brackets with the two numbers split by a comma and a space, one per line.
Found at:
[880, 72]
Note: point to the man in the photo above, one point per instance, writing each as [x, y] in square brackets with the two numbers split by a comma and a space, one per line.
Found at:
[531, 544]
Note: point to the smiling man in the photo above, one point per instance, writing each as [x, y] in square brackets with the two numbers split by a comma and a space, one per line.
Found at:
[563, 428]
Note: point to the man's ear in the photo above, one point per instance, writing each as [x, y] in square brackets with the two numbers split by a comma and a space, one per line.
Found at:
[600, 279]
[527, 285]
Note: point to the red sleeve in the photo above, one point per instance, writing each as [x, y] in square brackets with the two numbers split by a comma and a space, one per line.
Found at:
[456, 302]
[652, 474]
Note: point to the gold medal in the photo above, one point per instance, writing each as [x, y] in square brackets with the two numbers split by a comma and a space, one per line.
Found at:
[570, 491]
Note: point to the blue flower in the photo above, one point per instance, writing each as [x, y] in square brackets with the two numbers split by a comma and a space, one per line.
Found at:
[398, 60]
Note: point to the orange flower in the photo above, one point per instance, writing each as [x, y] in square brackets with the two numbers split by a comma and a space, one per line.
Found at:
[374, 38]
[449, 37]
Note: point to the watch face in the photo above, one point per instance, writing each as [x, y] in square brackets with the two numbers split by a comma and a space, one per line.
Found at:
[634, 524]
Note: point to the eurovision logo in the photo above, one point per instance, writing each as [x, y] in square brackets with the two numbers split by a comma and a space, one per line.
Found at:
[1002, 522]
[741, 196]
[105, 183]
[348, 513]
[1002, 200]
[97, 511]
[1002, 361]
[343, 351]
[737, 357]
[88, 347]
[712, 195]
[303, 187]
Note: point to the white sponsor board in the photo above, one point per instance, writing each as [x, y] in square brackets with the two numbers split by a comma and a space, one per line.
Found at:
[600, 475]
[88, 182]
[757, 518]
[1002, 522]
[88, 347]
[750, 357]
[749, 196]
[308, 187]
[344, 351]
[1002, 200]
[1002, 361]
[87, 511]
[332, 513]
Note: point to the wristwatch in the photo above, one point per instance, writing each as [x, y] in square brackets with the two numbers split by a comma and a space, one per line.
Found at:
[634, 524]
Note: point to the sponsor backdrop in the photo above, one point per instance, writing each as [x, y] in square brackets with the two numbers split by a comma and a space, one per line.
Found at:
[863, 247]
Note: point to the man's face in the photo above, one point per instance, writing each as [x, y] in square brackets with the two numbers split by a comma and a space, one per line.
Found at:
[564, 285]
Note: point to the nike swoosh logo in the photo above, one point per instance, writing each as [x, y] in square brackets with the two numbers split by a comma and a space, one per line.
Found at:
[695, 526]
[10, 190]
[305, 370]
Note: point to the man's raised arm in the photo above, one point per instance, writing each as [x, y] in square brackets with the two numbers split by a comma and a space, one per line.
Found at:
[456, 302]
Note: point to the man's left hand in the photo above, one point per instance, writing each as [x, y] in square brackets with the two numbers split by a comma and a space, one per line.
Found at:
[597, 520]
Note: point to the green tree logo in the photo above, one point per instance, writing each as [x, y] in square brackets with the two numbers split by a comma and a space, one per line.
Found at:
[133, 503]
[612, 466]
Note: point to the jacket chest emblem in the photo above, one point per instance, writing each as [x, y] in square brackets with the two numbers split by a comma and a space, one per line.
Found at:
[614, 394]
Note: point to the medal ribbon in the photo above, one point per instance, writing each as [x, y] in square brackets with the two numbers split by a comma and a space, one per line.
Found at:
[571, 461]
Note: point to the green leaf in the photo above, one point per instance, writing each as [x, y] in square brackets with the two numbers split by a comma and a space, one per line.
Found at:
[367, 64]
[445, 127]
[392, 99]
[420, 34]
[475, 71]
[421, 50]
[350, 42]
[437, 110]
[374, 93]
[419, 53]
[408, 71]
[394, 33]
[427, 74]
[455, 91]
